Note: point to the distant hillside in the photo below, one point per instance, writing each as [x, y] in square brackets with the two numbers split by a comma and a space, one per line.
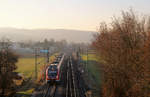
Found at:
[40, 34]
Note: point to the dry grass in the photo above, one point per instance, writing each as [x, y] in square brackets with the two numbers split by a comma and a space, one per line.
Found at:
[26, 66]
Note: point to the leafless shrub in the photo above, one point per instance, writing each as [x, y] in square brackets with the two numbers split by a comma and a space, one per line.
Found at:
[7, 66]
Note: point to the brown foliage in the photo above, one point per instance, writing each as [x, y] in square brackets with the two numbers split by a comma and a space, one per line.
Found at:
[41, 76]
[7, 66]
[125, 47]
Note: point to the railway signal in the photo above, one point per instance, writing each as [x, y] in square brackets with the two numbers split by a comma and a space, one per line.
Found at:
[44, 51]
[47, 52]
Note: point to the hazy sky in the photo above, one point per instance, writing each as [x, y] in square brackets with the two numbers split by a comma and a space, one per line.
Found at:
[64, 14]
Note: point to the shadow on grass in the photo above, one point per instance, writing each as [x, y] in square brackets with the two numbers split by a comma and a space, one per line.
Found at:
[26, 89]
[93, 70]
[22, 95]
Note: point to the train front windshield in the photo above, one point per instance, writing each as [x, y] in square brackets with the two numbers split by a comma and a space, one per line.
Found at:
[52, 71]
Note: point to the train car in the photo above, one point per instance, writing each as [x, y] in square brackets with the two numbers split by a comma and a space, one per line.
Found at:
[52, 74]
[53, 71]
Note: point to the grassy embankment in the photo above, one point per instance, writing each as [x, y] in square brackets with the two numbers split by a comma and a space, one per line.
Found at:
[93, 73]
[92, 66]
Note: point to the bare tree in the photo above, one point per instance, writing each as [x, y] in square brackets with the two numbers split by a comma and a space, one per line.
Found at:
[124, 49]
[7, 66]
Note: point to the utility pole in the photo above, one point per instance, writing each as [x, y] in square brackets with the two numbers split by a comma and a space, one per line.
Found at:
[79, 56]
[87, 60]
[47, 55]
[36, 55]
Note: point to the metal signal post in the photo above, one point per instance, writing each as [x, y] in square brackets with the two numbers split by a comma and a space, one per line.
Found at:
[47, 55]
[36, 55]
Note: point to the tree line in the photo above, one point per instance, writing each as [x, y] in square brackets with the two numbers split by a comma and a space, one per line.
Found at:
[124, 47]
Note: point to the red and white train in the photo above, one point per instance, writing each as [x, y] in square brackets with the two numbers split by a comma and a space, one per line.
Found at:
[53, 71]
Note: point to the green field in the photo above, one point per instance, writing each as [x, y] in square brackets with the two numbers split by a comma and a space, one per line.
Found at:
[92, 66]
[26, 66]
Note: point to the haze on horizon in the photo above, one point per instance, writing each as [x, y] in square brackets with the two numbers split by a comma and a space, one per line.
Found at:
[64, 14]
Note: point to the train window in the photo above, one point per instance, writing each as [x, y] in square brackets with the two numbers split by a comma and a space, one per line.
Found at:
[52, 71]
[53, 67]
[56, 62]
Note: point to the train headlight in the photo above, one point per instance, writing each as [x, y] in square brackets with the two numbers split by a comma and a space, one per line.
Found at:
[57, 77]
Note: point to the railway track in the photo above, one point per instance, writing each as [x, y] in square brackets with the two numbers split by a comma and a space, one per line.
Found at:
[50, 91]
[70, 81]
[70, 87]
[79, 81]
